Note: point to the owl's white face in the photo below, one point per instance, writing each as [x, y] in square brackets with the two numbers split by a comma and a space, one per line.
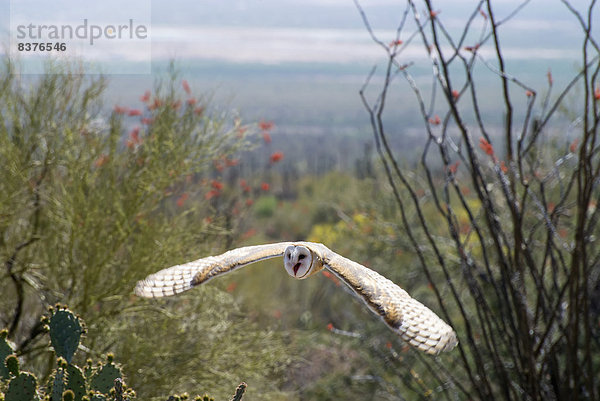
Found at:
[298, 261]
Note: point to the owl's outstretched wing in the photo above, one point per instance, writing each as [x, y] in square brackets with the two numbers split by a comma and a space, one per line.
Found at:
[176, 279]
[413, 321]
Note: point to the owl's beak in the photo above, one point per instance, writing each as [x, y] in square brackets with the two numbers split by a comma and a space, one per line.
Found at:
[296, 267]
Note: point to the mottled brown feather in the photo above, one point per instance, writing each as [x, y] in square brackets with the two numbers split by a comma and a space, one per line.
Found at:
[176, 279]
[412, 320]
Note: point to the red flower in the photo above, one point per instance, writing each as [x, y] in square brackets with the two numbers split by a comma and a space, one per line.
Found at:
[219, 165]
[145, 97]
[395, 43]
[135, 112]
[503, 166]
[597, 93]
[573, 145]
[121, 109]
[330, 327]
[134, 135]
[549, 75]
[266, 137]
[249, 202]
[332, 277]
[472, 48]
[232, 286]
[147, 121]
[455, 94]
[249, 234]
[101, 161]
[435, 120]
[528, 93]
[186, 87]
[486, 146]
[434, 13]
[388, 345]
[176, 105]
[265, 125]
[454, 167]
[211, 194]
[231, 162]
[157, 103]
[191, 101]
[243, 183]
[199, 110]
[265, 186]
[216, 185]
[276, 157]
[181, 200]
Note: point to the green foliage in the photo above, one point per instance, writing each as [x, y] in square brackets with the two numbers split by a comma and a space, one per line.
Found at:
[265, 206]
[67, 381]
[222, 354]
[93, 199]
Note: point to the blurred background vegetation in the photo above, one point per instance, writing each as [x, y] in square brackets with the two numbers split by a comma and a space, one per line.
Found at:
[92, 201]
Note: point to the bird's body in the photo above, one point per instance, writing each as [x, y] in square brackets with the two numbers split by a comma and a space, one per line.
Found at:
[413, 321]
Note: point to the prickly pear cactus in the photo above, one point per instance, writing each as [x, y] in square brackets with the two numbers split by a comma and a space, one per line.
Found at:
[205, 397]
[75, 382]
[104, 378]
[12, 364]
[68, 396]
[58, 384]
[5, 350]
[22, 388]
[65, 332]
[239, 392]
[98, 397]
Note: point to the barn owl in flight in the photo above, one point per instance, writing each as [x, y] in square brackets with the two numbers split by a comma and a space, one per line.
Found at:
[411, 320]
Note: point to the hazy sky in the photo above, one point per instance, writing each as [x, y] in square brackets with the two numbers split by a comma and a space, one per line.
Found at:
[274, 31]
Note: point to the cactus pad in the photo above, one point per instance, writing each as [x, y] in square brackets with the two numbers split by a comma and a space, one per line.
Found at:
[5, 350]
[68, 396]
[104, 379]
[12, 364]
[75, 382]
[65, 332]
[58, 385]
[22, 388]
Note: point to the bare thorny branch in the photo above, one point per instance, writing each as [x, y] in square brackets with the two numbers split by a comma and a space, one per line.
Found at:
[523, 271]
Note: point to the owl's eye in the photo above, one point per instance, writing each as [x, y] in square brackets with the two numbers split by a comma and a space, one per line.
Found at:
[301, 257]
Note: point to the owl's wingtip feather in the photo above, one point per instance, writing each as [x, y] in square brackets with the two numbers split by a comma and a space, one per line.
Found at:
[143, 290]
[447, 342]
